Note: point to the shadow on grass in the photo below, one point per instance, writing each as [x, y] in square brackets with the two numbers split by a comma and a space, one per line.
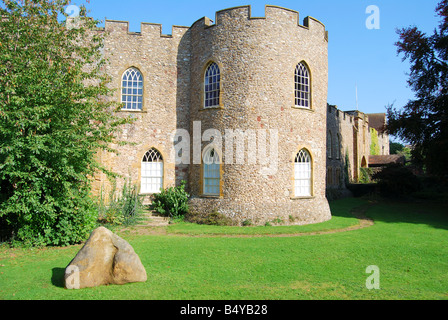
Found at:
[433, 213]
[57, 277]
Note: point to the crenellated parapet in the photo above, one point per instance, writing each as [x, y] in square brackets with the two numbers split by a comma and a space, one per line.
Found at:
[273, 15]
[149, 30]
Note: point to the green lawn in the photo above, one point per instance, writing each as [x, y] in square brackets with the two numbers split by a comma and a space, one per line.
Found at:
[408, 242]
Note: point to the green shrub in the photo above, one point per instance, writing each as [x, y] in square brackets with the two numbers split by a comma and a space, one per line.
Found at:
[60, 223]
[361, 189]
[396, 181]
[278, 221]
[122, 210]
[365, 175]
[172, 202]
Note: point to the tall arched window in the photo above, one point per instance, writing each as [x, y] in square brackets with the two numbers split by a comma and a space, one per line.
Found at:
[302, 174]
[337, 148]
[132, 90]
[212, 86]
[211, 172]
[303, 85]
[329, 176]
[152, 172]
[329, 144]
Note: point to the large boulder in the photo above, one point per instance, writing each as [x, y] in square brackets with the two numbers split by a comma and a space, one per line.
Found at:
[104, 259]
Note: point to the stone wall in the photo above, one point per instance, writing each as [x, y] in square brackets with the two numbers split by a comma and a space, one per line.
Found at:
[353, 150]
[164, 63]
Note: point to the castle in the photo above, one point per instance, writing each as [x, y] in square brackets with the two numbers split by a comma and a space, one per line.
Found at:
[238, 109]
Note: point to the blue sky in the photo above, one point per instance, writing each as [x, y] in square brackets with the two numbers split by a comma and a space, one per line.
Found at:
[358, 56]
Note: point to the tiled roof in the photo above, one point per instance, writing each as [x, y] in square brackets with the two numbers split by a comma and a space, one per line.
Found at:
[386, 159]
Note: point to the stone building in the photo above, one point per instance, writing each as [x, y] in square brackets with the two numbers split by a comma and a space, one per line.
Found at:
[353, 139]
[237, 108]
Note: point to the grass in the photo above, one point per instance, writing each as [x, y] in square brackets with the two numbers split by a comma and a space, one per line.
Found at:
[407, 243]
[342, 219]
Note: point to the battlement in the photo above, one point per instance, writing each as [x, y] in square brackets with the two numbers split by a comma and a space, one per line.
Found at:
[121, 28]
[272, 14]
[358, 115]
[348, 116]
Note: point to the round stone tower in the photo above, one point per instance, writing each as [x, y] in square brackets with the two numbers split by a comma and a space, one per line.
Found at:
[261, 154]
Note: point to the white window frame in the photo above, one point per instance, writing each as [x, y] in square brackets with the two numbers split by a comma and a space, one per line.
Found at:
[302, 82]
[211, 174]
[212, 86]
[132, 90]
[303, 174]
[152, 172]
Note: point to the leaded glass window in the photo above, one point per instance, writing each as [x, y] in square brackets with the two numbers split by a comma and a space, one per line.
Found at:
[152, 172]
[212, 86]
[211, 172]
[302, 174]
[132, 90]
[302, 86]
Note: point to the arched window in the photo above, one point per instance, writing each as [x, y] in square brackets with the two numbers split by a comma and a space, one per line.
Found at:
[132, 90]
[338, 177]
[212, 86]
[337, 151]
[152, 172]
[303, 85]
[302, 174]
[329, 144]
[329, 176]
[211, 172]
[363, 162]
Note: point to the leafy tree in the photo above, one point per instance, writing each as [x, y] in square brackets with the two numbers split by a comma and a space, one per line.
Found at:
[395, 147]
[423, 122]
[54, 118]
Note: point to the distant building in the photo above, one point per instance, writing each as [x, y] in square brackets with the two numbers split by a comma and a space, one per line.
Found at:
[354, 141]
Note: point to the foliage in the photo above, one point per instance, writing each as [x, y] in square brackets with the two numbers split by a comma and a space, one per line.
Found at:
[395, 147]
[347, 174]
[361, 189]
[53, 120]
[374, 145]
[396, 181]
[171, 202]
[398, 148]
[423, 122]
[365, 175]
[124, 209]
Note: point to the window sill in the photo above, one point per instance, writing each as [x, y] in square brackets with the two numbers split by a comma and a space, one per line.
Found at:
[303, 108]
[302, 198]
[132, 111]
[210, 196]
[212, 108]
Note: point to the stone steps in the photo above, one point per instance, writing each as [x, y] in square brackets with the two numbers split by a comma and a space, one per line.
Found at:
[151, 219]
